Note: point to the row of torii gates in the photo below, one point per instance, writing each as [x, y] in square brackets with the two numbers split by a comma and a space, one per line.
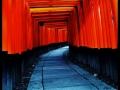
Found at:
[33, 27]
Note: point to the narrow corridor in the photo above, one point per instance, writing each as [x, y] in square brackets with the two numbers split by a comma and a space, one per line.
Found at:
[33, 32]
[54, 71]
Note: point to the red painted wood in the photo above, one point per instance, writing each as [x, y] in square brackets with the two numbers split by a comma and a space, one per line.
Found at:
[110, 24]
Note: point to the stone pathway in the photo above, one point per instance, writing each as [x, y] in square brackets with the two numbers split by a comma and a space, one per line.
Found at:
[56, 72]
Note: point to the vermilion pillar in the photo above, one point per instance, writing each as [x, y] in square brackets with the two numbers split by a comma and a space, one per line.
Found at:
[75, 20]
[98, 23]
[106, 25]
[110, 24]
[82, 35]
[114, 5]
[56, 35]
[105, 44]
[86, 23]
[5, 25]
[93, 28]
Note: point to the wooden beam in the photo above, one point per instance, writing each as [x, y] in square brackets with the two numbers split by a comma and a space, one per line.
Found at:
[51, 9]
[44, 3]
[51, 13]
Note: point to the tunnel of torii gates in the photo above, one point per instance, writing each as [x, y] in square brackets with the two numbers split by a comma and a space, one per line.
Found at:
[33, 27]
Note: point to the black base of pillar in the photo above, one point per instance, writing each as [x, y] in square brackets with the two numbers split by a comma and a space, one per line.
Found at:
[17, 68]
[101, 61]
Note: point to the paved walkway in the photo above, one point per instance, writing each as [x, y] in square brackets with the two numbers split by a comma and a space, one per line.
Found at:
[55, 72]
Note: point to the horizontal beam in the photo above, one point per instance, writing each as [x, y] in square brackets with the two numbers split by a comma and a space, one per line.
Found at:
[51, 9]
[51, 13]
[50, 17]
[51, 20]
[34, 4]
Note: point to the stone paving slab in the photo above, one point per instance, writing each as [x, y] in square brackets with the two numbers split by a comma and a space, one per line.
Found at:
[56, 67]
[83, 87]
[59, 57]
[35, 85]
[36, 75]
[62, 75]
[54, 64]
[38, 67]
[58, 71]
[54, 58]
[65, 82]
